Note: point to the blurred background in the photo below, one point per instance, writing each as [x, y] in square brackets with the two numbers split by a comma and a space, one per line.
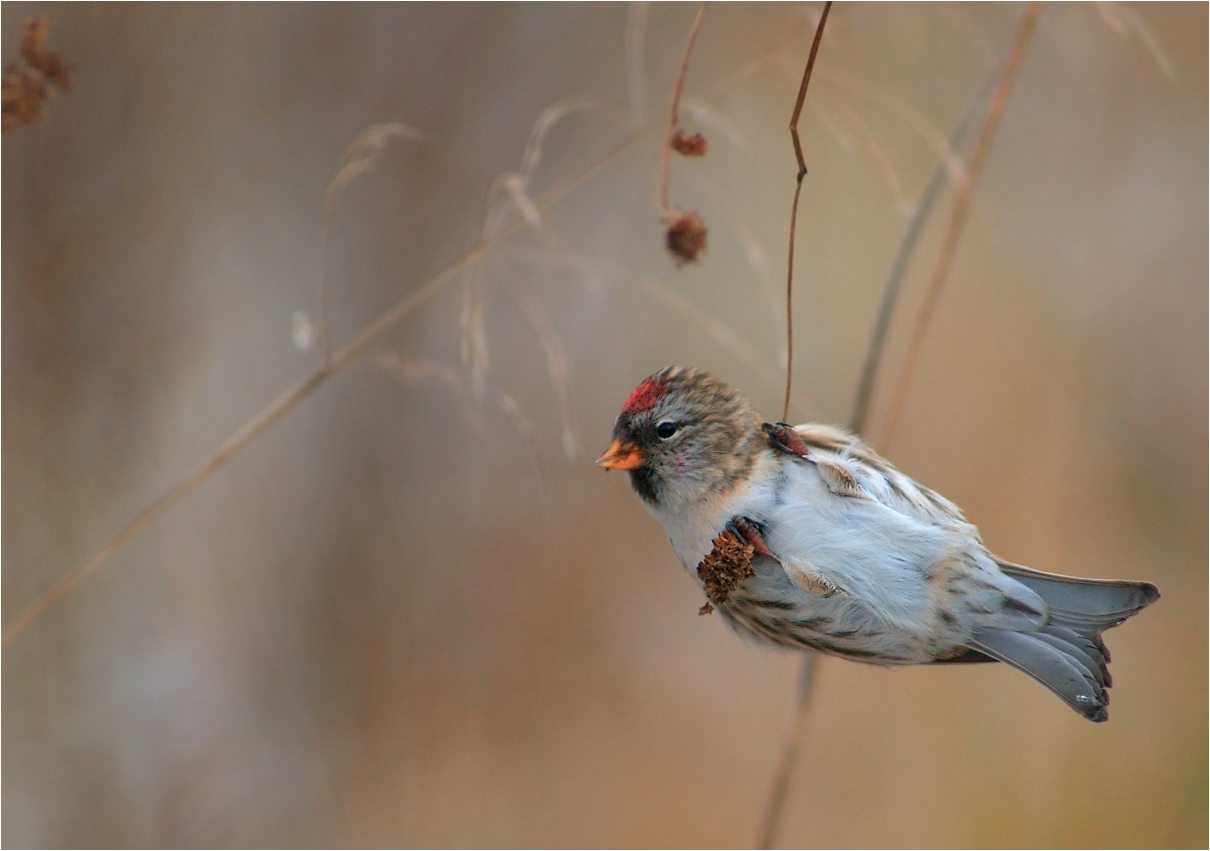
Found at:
[412, 612]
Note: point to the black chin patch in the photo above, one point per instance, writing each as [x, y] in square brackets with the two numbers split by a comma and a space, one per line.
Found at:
[645, 484]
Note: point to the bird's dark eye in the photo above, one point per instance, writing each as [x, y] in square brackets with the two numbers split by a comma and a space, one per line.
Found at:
[666, 429]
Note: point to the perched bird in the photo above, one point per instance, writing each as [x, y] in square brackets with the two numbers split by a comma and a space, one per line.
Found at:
[825, 546]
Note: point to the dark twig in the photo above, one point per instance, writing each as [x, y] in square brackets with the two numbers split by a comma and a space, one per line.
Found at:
[1012, 65]
[802, 172]
[802, 90]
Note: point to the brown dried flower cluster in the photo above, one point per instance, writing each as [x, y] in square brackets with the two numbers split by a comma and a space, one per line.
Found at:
[689, 146]
[32, 80]
[728, 564]
[686, 235]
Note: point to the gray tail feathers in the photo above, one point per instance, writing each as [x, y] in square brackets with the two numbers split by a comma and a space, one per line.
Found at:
[1067, 654]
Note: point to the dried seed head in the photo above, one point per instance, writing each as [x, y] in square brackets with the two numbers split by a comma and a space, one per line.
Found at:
[728, 564]
[689, 146]
[31, 81]
[686, 235]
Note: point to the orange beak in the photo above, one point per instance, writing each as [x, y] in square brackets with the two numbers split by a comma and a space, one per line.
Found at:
[621, 455]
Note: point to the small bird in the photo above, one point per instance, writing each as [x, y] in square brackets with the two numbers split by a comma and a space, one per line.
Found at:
[804, 537]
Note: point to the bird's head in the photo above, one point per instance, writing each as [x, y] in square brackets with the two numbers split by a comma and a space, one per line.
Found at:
[684, 436]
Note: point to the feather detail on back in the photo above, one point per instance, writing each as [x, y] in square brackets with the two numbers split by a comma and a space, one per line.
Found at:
[875, 477]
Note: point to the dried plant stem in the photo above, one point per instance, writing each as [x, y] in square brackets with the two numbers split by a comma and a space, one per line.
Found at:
[339, 360]
[788, 752]
[228, 448]
[719, 333]
[907, 246]
[785, 407]
[802, 90]
[321, 295]
[957, 218]
[674, 105]
[802, 172]
[360, 158]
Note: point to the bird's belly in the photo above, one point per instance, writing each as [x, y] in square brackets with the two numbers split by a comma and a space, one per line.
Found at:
[885, 610]
[770, 608]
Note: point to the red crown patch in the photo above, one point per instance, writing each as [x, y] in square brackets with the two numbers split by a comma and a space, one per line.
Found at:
[645, 396]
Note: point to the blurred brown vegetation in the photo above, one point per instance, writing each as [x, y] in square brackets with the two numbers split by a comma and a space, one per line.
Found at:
[399, 618]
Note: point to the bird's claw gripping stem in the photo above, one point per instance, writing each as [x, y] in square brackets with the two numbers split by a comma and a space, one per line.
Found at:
[785, 438]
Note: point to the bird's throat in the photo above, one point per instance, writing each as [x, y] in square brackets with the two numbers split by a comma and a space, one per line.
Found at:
[646, 484]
